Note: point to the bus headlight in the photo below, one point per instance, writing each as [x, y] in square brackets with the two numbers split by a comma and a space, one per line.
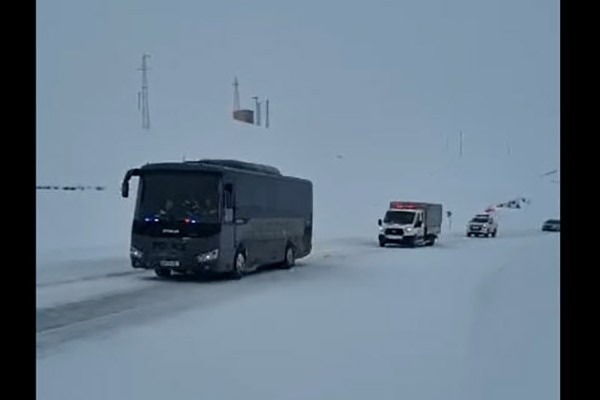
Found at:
[211, 255]
[135, 253]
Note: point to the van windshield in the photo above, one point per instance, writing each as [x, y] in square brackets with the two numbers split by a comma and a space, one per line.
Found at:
[399, 217]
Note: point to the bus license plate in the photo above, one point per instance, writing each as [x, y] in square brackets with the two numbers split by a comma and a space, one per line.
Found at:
[169, 263]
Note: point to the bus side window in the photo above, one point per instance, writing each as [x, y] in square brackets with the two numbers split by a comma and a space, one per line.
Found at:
[228, 203]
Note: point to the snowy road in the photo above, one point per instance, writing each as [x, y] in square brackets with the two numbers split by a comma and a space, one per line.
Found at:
[79, 298]
[466, 319]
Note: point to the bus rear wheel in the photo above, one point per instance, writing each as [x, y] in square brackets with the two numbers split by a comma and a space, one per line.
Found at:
[290, 257]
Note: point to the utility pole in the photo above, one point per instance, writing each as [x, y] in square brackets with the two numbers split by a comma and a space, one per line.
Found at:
[267, 113]
[236, 95]
[257, 109]
[143, 101]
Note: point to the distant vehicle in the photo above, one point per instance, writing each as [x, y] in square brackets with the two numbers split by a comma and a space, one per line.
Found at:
[221, 216]
[482, 225]
[551, 225]
[411, 223]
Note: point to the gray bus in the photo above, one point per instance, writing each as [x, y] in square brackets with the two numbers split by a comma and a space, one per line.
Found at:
[218, 216]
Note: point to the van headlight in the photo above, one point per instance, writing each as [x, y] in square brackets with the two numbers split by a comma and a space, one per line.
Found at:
[135, 253]
[409, 229]
[211, 255]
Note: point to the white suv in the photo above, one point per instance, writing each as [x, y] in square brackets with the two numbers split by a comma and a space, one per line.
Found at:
[482, 225]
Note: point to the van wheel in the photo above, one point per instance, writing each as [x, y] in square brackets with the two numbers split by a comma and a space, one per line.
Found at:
[290, 257]
[381, 242]
[239, 265]
[494, 233]
[162, 272]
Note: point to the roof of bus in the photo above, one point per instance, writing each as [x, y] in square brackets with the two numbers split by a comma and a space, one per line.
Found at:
[218, 166]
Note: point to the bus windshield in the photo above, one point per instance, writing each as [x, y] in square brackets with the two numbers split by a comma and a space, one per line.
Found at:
[178, 196]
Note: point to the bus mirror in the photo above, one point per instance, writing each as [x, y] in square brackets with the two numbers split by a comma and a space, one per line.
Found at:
[125, 189]
[125, 184]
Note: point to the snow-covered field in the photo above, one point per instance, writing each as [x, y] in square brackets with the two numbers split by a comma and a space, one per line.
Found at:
[466, 319]
[469, 318]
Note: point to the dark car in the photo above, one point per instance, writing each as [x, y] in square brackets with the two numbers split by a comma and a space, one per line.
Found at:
[551, 225]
